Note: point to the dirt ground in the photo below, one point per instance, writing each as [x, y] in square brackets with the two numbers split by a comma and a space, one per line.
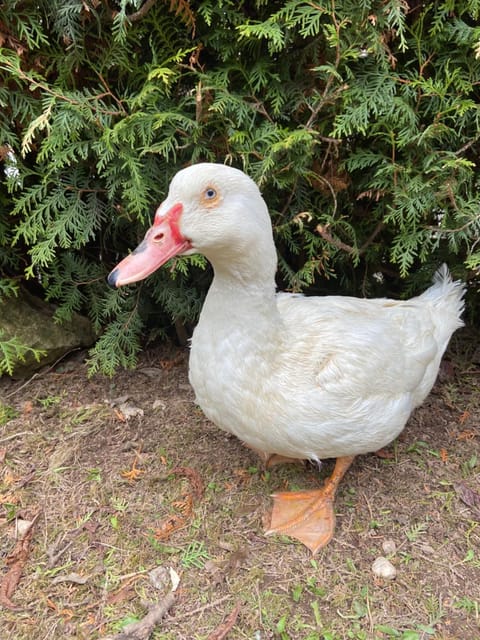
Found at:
[119, 500]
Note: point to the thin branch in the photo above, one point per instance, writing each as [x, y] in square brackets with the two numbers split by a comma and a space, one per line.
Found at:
[371, 237]
[457, 230]
[210, 605]
[466, 146]
[323, 231]
[15, 435]
[110, 93]
[138, 15]
[142, 629]
[35, 84]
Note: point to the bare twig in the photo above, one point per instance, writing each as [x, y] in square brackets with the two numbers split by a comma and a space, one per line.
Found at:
[42, 373]
[323, 231]
[54, 553]
[15, 435]
[138, 15]
[326, 235]
[142, 629]
[467, 146]
[210, 605]
[371, 237]
[221, 632]
[12, 393]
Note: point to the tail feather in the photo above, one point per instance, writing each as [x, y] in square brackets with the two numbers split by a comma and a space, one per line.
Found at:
[448, 296]
[446, 303]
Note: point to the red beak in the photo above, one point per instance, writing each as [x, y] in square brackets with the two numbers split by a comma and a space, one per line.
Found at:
[162, 241]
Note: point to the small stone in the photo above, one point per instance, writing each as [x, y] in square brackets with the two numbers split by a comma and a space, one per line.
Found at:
[22, 527]
[159, 577]
[389, 547]
[383, 568]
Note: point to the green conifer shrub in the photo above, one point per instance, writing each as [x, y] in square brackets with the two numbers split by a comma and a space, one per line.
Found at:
[359, 121]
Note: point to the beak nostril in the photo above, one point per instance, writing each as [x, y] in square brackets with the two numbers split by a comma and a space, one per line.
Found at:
[158, 237]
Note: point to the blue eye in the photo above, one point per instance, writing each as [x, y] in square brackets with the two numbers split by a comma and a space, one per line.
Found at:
[210, 193]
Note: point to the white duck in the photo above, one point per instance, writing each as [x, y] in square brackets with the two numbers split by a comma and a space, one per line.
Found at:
[292, 376]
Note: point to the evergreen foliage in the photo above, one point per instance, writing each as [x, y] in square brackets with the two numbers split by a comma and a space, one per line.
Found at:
[359, 121]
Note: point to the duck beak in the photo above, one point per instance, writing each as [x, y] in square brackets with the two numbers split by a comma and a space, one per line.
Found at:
[162, 241]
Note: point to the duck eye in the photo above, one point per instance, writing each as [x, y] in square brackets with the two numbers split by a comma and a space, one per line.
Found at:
[210, 193]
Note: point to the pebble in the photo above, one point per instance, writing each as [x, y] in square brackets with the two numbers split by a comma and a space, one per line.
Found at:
[159, 577]
[389, 547]
[383, 568]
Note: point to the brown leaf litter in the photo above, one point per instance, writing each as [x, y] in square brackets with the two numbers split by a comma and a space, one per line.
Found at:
[16, 561]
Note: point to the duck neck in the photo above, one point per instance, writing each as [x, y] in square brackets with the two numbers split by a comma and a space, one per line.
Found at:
[242, 293]
[245, 276]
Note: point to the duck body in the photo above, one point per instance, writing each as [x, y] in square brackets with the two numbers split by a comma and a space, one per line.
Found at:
[299, 377]
[312, 377]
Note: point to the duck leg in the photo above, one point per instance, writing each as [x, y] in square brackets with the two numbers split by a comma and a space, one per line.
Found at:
[309, 516]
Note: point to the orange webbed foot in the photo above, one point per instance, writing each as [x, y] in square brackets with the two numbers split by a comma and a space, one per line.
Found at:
[309, 516]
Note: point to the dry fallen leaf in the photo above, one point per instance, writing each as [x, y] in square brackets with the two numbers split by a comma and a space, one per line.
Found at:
[130, 411]
[121, 595]
[168, 364]
[384, 454]
[168, 526]
[467, 434]
[123, 409]
[9, 478]
[383, 568]
[16, 561]
[193, 477]
[177, 521]
[470, 497]
[27, 407]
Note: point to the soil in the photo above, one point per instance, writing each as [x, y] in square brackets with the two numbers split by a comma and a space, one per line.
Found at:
[113, 490]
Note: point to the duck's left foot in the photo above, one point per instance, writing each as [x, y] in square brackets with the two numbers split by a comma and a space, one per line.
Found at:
[309, 516]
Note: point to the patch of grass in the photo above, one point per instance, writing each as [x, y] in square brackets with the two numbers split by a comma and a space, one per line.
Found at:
[469, 465]
[6, 414]
[50, 401]
[195, 555]
[94, 474]
[468, 605]
[416, 531]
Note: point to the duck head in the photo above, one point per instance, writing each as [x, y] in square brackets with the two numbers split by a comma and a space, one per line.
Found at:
[210, 209]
